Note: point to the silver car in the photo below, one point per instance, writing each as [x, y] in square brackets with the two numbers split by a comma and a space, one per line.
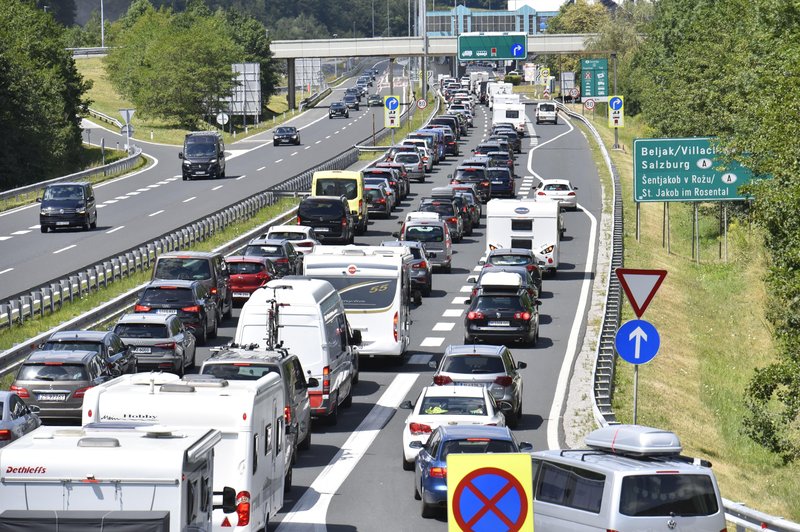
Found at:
[415, 167]
[158, 341]
[16, 418]
[491, 366]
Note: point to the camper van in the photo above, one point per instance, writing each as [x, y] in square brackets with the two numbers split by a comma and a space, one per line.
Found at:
[374, 283]
[525, 223]
[249, 414]
[307, 316]
[510, 113]
[497, 87]
[135, 476]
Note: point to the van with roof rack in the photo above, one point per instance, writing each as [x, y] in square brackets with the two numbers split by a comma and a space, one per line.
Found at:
[630, 477]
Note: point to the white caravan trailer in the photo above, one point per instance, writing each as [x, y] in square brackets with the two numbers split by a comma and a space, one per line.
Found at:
[126, 477]
[374, 283]
[250, 457]
[510, 113]
[312, 325]
[527, 224]
[497, 87]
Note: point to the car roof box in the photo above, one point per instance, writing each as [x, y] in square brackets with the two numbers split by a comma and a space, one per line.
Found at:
[501, 281]
[634, 440]
[422, 216]
[442, 192]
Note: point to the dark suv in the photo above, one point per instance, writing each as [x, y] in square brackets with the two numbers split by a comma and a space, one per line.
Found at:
[502, 313]
[204, 266]
[68, 205]
[203, 155]
[189, 300]
[338, 109]
[329, 216]
[110, 346]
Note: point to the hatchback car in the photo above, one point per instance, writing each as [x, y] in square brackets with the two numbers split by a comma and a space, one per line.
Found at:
[16, 418]
[389, 193]
[448, 213]
[53, 383]
[434, 235]
[109, 345]
[430, 469]
[516, 257]
[502, 160]
[286, 135]
[446, 405]
[491, 366]
[379, 200]
[329, 216]
[281, 253]
[338, 109]
[502, 310]
[476, 176]
[375, 100]
[415, 166]
[302, 238]
[560, 190]
[208, 267]
[248, 274]
[402, 174]
[158, 341]
[421, 268]
[351, 101]
[502, 181]
[67, 205]
[189, 300]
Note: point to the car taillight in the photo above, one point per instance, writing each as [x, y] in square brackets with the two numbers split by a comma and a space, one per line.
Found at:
[304, 245]
[263, 277]
[299, 221]
[326, 380]
[474, 292]
[22, 392]
[166, 345]
[282, 261]
[381, 200]
[484, 184]
[441, 380]
[193, 308]
[504, 381]
[5, 435]
[540, 193]
[360, 205]
[475, 315]
[451, 143]
[243, 508]
[530, 267]
[571, 194]
[522, 315]
[214, 291]
[420, 265]
[344, 222]
[80, 392]
[419, 428]
[141, 308]
[287, 414]
[394, 324]
[438, 472]
[419, 166]
[453, 220]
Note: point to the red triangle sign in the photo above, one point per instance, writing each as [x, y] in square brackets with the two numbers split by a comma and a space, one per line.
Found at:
[640, 286]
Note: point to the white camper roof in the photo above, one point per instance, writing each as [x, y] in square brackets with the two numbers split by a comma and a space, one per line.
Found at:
[299, 291]
[116, 453]
[521, 208]
[351, 260]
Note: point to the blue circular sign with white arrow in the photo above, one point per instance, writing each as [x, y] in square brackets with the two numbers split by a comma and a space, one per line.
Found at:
[392, 103]
[615, 103]
[637, 341]
[517, 50]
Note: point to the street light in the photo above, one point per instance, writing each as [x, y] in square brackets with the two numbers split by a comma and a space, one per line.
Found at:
[373, 19]
[102, 26]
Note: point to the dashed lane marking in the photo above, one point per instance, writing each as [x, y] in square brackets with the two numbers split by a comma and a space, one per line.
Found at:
[6, 270]
[114, 230]
[279, 161]
[21, 232]
[459, 300]
[414, 359]
[432, 341]
[156, 213]
[187, 200]
[260, 168]
[241, 177]
[452, 313]
[466, 288]
[443, 326]
[217, 187]
[64, 249]
[4, 238]
[110, 202]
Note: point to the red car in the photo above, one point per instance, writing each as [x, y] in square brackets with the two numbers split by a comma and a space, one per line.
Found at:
[247, 274]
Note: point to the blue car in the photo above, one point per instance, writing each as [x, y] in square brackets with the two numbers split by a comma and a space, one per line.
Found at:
[502, 182]
[430, 469]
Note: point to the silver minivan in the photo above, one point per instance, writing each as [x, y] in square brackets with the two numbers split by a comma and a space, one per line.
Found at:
[630, 478]
[434, 236]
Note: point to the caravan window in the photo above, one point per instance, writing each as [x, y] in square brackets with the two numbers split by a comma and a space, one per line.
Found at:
[571, 486]
[522, 225]
[512, 113]
[267, 439]
[365, 294]
[255, 453]
[663, 495]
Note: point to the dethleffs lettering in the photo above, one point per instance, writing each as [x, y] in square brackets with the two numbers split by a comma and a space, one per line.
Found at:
[33, 470]
[675, 151]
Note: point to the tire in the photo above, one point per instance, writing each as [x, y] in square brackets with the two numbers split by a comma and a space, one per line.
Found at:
[409, 466]
[43, 229]
[215, 330]
[203, 339]
[93, 225]
[448, 268]
[426, 292]
[185, 178]
[512, 421]
[229, 314]
[287, 481]
[193, 361]
[87, 226]
[306, 443]
[348, 401]
[333, 418]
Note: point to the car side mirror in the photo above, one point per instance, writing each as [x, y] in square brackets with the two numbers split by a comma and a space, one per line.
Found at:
[525, 447]
[38, 200]
[537, 302]
[290, 429]
[312, 382]
[468, 302]
[574, 188]
[228, 505]
[221, 154]
[406, 405]
[522, 365]
[396, 234]
[432, 364]
[416, 444]
[180, 155]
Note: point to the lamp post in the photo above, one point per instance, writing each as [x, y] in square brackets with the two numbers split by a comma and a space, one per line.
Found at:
[102, 26]
[335, 62]
[373, 19]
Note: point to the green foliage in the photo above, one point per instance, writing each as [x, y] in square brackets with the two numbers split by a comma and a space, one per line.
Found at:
[514, 80]
[575, 17]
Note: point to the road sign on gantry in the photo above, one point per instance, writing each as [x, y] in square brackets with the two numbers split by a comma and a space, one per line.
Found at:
[640, 286]
[492, 46]
[489, 492]
[391, 112]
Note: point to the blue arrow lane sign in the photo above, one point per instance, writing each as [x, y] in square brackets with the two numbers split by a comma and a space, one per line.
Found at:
[637, 341]
[615, 103]
[517, 50]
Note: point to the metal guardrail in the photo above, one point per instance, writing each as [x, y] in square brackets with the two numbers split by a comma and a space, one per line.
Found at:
[105, 118]
[741, 516]
[96, 51]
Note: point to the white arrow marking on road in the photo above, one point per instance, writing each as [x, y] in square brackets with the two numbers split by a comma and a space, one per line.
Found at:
[640, 335]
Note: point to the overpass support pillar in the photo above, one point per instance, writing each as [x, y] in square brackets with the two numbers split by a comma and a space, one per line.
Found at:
[290, 84]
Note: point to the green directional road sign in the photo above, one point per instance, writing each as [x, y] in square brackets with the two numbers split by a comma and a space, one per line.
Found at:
[688, 169]
[491, 46]
[594, 79]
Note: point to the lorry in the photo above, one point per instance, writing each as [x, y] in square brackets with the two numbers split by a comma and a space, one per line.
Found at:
[112, 477]
[528, 224]
[248, 414]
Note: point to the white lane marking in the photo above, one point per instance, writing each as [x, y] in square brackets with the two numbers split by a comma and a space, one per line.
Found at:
[443, 326]
[176, 176]
[477, 268]
[432, 341]
[156, 213]
[318, 142]
[329, 136]
[307, 148]
[452, 313]
[6, 270]
[217, 187]
[279, 161]
[64, 249]
[109, 202]
[101, 206]
[311, 511]
[142, 189]
[260, 168]
[163, 182]
[133, 193]
[187, 200]
[4, 238]
[293, 154]
[153, 186]
[173, 178]
[241, 177]
[121, 197]
[21, 232]
[414, 359]
[466, 288]
[534, 148]
[336, 132]
[114, 230]
[37, 226]
[459, 301]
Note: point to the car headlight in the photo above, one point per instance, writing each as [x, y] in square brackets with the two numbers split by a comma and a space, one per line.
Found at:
[186, 163]
[81, 211]
[212, 161]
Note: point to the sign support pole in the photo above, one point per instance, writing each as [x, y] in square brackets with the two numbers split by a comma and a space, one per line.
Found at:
[725, 227]
[638, 214]
[616, 130]
[696, 244]
[664, 226]
[669, 247]
[635, 393]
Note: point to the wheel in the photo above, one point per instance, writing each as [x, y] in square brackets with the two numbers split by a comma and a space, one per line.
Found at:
[448, 268]
[533, 339]
[348, 401]
[193, 362]
[287, 481]
[93, 225]
[229, 313]
[333, 418]
[409, 466]
[185, 178]
[330, 117]
[203, 338]
[417, 496]
[426, 292]
[357, 373]
[43, 228]
[305, 444]
[215, 330]
[87, 226]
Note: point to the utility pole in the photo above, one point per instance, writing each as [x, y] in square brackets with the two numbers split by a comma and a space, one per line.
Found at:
[102, 26]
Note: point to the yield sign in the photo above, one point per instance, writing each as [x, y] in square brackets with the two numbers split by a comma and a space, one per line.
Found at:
[640, 286]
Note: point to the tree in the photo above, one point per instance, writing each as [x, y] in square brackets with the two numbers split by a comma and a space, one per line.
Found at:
[299, 27]
[578, 17]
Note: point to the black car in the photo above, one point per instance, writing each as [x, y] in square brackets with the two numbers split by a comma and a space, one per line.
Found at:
[511, 136]
[203, 155]
[351, 102]
[329, 216]
[191, 301]
[67, 205]
[464, 212]
[389, 175]
[286, 135]
[112, 349]
[208, 267]
[338, 109]
[477, 176]
[378, 201]
[355, 91]
[286, 259]
[502, 313]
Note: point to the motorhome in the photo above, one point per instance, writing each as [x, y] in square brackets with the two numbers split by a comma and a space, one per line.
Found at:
[374, 283]
[249, 414]
[307, 317]
[497, 87]
[525, 223]
[135, 476]
[510, 113]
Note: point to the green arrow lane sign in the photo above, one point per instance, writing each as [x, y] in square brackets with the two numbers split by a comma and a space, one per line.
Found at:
[687, 169]
[490, 46]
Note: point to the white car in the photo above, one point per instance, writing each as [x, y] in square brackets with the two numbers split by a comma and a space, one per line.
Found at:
[302, 238]
[450, 405]
[559, 190]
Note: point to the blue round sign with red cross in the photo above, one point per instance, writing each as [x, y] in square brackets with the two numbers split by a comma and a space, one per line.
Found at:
[490, 500]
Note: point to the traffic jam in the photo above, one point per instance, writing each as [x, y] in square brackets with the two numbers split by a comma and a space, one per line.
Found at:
[221, 425]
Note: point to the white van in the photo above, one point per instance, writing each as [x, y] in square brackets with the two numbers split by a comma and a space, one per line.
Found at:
[127, 477]
[631, 478]
[525, 223]
[249, 414]
[374, 283]
[510, 113]
[312, 325]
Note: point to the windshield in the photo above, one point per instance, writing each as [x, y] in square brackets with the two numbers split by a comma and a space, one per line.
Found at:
[200, 149]
[177, 296]
[187, 268]
[473, 364]
[424, 233]
[72, 346]
[262, 250]
[330, 209]
[454, 406]
[245, 268]
[470, 175]
[337, 187]
[52, 372]
[477, 445]
[438, 207]
[238, 372]
[664, 495]
[407, 158]
[494, 303]
[141, 330]
[285, 131]
[364, 294]
[63, 193]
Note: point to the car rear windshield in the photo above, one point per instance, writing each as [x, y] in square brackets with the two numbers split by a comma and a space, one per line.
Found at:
[407, 158]
[473, 364]
[374, 193]
[263, 250]
[554, 187]
[337, 187]
[329, 209]
[364, 294]
[52, 372]
[498, 302]
[469, 176]
[72, 346]
[141, 330]
[547, 107]
[193, 269]
[477, 445]
[424, 233]
[239, 372]
[499, 175]
[178, 296]
[287, 235]
[245, 268]
[508, 260]
[439, 207]
[664, 495]
[454, 406]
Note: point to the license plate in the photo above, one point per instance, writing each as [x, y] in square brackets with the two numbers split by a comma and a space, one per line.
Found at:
[62, 223]
[497, 182]
[499, 323]
[241, 294]
[469, 384]
[199, 172]
[142, 350]
[53, 397]
[166, 311]
[322, 229]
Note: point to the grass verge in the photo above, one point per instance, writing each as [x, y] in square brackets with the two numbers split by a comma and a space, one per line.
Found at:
[713, 335]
